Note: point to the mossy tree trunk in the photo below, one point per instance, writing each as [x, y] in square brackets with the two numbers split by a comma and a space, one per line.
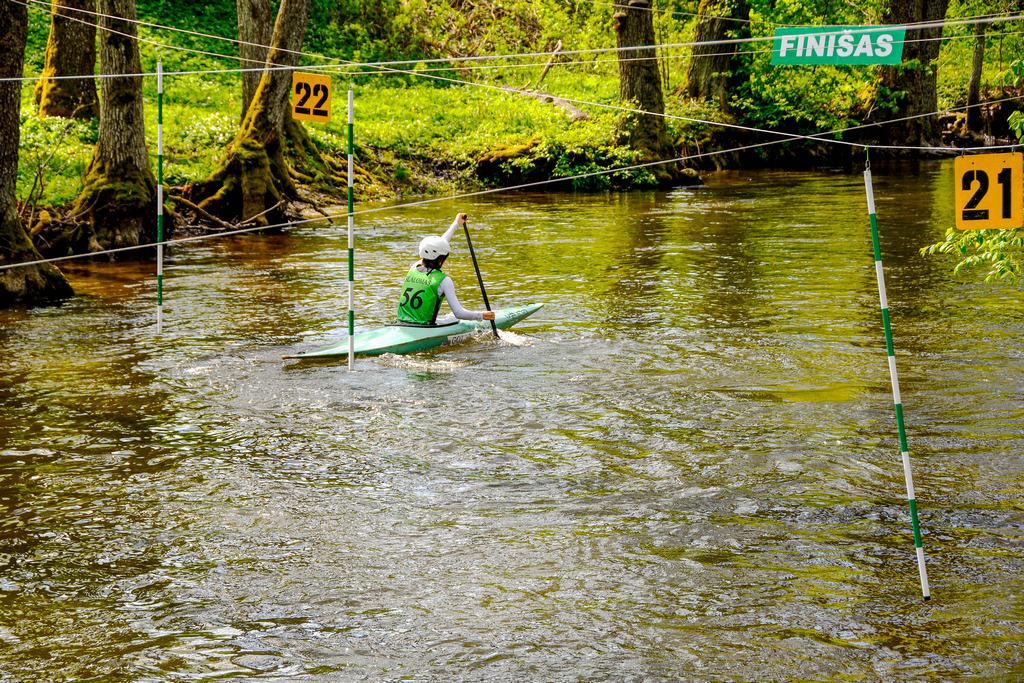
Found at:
[27, 284]
[639, 78]
[254, 178]
[914, 81]
[118, 201]
[640, 85]
[70, 51]
[715, 70]
[255, 31]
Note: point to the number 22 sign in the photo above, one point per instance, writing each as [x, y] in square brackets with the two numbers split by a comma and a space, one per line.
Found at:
[311, 97]
[989, 191]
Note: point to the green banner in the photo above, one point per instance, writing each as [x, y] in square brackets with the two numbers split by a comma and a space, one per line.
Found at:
[838, 45]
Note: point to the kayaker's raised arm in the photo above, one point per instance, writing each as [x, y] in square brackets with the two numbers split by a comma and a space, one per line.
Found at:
[460, 220]
[425, 286]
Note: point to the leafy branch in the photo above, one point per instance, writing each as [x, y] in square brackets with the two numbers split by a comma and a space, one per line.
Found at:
[1001, 251]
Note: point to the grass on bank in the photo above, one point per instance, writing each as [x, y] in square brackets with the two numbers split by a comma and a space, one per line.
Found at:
[413, 133]
[422, 136]
[416, 134]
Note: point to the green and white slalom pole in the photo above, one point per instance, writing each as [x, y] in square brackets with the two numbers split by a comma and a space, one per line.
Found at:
[159, 196]
[897, 400]
[351, 244]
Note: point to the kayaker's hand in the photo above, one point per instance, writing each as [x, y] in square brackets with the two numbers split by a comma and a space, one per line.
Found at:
[461, 218]
[488, 315]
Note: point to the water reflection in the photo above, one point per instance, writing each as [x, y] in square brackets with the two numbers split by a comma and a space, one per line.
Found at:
[690, 470]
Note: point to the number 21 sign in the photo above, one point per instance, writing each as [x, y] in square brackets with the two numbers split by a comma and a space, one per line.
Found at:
[989, 191]
[311, 97]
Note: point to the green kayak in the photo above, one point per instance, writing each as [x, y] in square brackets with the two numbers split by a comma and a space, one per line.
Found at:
[403, 338]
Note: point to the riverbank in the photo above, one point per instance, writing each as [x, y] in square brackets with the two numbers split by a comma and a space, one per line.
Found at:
[414, 140]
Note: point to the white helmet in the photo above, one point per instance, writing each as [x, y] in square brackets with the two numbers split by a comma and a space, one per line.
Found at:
[433, 247]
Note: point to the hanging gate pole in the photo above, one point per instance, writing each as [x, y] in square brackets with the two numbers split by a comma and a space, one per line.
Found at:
[897, 400]
[159, 196]
[351, 245]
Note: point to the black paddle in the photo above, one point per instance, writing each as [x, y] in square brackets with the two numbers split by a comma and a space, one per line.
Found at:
[479, 277]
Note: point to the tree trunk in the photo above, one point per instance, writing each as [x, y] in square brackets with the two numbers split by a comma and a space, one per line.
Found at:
[255, 31]
[913, 82]
[27, 284]
[70, 51]
[119, 197]
[255, 28]
[974, 85]
[639, 80]
[716, 70]
[254, 178]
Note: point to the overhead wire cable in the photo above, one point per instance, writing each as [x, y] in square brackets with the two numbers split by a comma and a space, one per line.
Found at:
[47, 4]
[819, 137]
[336, 68]
[671, 12]
[619, 108]
[44, 3]
[979, 18]
[511, 188]
[576, 101]
[448, 60]
[126, 35]
[612, 107]
[162, 27]
[507, 90]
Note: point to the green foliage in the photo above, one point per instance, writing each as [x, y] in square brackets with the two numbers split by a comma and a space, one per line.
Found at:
[1016, 123]
[803, 100]
[216, 17]
[53, 157]
[588, 166]
[812, 100]
[453, 123]
[1000, 251]
[333, 144]
[215, 129]
[413, 124]
[213, 17]
[381, 30]
[1003, 43]
[364, 30]
[450, 128]
[194, 140]
[38, 32]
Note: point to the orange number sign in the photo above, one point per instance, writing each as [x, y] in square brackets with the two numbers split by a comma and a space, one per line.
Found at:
[989, 191]
[311, 97]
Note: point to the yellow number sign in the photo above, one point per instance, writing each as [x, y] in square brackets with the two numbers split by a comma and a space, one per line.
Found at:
[989, 191]
[311, 97]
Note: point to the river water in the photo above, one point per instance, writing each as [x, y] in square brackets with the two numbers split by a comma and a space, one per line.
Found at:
[684, 466]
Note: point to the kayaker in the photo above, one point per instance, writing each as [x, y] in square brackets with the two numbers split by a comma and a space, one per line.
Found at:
[425, 286]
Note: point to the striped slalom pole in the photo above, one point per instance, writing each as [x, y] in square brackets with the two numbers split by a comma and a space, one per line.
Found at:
[897, 401]
[159, 196]
[351, 245]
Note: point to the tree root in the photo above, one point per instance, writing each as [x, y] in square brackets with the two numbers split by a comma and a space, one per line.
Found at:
[203, 212]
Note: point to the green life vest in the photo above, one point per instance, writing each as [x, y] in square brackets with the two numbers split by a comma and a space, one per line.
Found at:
[420, 300]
